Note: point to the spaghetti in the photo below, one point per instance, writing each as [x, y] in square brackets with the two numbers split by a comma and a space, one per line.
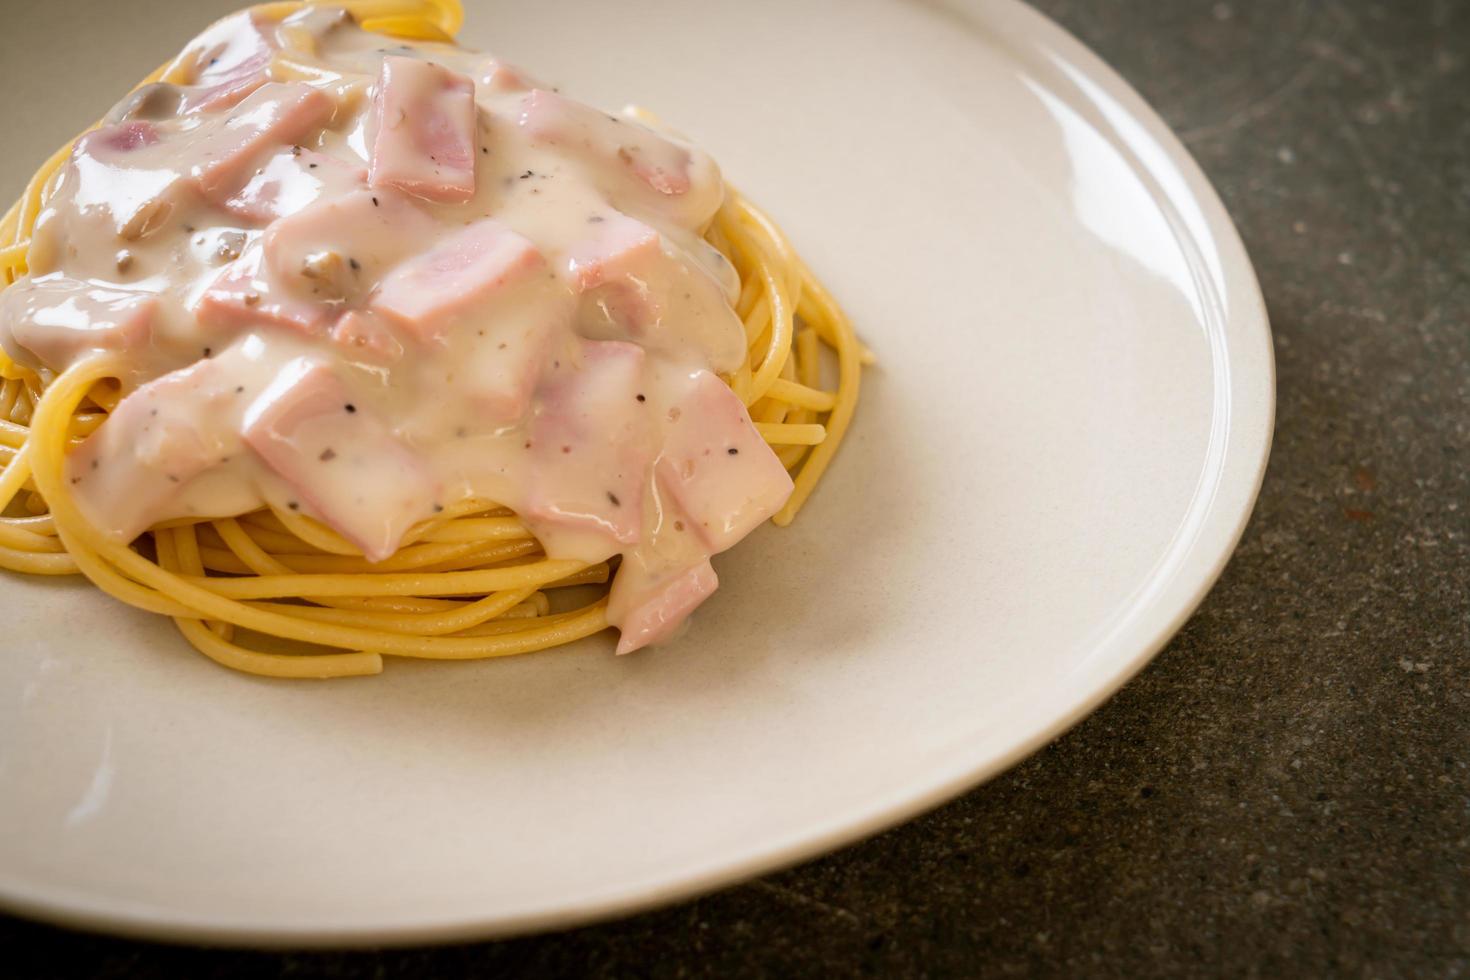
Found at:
[473, 580]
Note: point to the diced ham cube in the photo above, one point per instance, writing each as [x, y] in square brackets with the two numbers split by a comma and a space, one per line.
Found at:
[367, 336]
[619, 261]
[423, 138]
[503, 369]
[633, 285]
[153, 442]
[335, 248]
[230, 61]
[244, 296]
[618, 246]
[124, 137]
[341, 463]
[716, 467]
[58, 319]
[650, 612]
[659, 163]
[133, 168]
[590, 445]
[278, 114]
[123, 168]
[499, 76]
[229, 91]
[455, 278]
[291, 180]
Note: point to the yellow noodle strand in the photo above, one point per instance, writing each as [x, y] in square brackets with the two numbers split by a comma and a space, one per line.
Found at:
[470, 583]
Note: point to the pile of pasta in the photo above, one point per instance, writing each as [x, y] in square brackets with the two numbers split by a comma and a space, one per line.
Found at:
[471, 583]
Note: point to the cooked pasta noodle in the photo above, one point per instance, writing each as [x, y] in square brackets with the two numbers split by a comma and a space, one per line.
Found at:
[471, 582]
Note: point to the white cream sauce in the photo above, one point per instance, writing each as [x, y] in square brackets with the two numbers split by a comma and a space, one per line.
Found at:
[364, 279]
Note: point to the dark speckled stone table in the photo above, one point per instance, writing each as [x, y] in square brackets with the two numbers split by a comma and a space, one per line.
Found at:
[1286, 790]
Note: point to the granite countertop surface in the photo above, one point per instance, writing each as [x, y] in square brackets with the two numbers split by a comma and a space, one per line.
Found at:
[1286, 789]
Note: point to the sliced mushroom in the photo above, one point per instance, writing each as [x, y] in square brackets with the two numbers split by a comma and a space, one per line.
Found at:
[328, 273]
[160, 100]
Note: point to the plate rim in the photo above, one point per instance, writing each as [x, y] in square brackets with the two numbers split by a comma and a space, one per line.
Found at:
[1250, 321]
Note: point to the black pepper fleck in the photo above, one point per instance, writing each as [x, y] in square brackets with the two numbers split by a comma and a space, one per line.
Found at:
[614, 498]
[733, 451]
[293, 505]
[350, 408]
[328, 455]
[642, 398]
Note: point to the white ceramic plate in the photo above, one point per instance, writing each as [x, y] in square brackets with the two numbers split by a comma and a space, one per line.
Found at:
[1047, 472]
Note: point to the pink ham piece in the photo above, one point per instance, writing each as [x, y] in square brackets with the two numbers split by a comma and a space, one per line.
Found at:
[121, 168]
[423, 139]
[616, 261]
[503, 369]
[291, 180]
[312, 264]
[243, 296]
[277, 114]
[341, 463]
[152, 443]
[589, 440]
[312, 252]
[123, 138]
[230, 61]
[455, 278]
[57, 319]
[651, 612]
[631, 286]
[366, 336]
[662, 165]
[134, 168]
[616, 247]
[499, 76]
[716, 467]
